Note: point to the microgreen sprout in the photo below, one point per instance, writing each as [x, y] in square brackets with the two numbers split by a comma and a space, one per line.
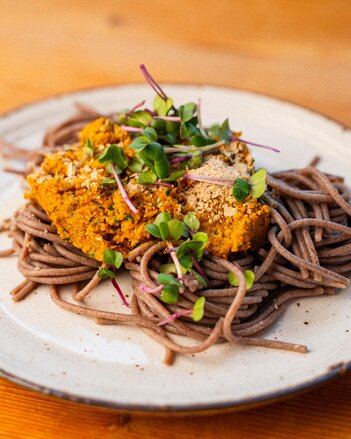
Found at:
[116, 162]
[120, 293]
[255, 186]
[89, 148]
[133, 109]
[248, 275]
[197, 312]
[157, 88]
[112, 259]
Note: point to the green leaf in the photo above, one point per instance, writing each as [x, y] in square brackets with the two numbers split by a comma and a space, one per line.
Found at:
[199, 309]
[170, 295]
[168, 268]
[114, 154]
[241, 189]
[214, 130]
[112, 257]
[175, 229]
[174, 176]
[186, 261]
[164, 231]
[249, 278]
[185, 232]
[203, 239]
[183, 131]
[199, 278]
[139, 143]
[258, 183]
[150, 134]
[172, 127]
[187, 111]
[152, 152]
[169, 138]
[153, 230]
[140, 119]
[147, 177]
[248, 275]
[191, 127]
[195, 161]
[136, 164]
[162, 167]
[162, 107]
[225, 132]
[192, 222]
[89, 149]
[162, 217]
[188, 246]
[201, 140]
[105, 273]
[167, 279]
[108, 181]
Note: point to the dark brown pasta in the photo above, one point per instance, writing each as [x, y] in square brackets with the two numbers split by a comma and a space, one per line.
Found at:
[308, 253]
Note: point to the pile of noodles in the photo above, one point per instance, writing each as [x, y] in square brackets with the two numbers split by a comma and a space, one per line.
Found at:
[308, 253]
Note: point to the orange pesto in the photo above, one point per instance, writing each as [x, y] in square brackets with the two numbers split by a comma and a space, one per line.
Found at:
[93, 216]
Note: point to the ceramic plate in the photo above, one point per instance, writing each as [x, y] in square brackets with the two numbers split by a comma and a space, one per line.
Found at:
[47, 348]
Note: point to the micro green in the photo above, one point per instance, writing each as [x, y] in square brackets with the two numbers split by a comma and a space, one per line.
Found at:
[162, 106]
[147, 177]
[136, 164]
[114, 154]
[165, 227]
[174, 176]
[170, 294]
[107, 181]
[105, 273]
[197, 312]
[155, 158]
[192, 222]
[255, 186]
[113, 258]
[248, 275]
[89, 148]
[258, 183]
[116, 162]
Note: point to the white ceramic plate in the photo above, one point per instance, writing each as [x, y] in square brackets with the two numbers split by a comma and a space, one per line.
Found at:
[47, 348]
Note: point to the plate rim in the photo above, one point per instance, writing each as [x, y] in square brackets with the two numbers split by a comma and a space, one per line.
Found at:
[197, 408]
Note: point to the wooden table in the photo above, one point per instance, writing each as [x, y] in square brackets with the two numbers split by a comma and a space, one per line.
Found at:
[297, 50]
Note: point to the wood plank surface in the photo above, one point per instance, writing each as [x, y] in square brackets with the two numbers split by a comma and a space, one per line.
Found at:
[293, 49]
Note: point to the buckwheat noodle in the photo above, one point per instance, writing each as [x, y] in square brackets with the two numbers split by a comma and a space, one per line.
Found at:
[308, 253]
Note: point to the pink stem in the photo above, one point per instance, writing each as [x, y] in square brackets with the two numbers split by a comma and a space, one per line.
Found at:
[131, 129]
[162, 183]
[135, 108]
[271, 148]
[176, 315]
[157, 88]
[146, 289]
[120, 292]
[176, 263]
[181, 159]
[198, 268]
[209, 179]
[169, 118]
[123, 192]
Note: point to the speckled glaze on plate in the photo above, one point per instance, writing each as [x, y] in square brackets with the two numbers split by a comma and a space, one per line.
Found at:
[59, 353]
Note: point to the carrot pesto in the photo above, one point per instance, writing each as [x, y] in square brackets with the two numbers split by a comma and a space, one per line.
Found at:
[102, 191]
[215, 249]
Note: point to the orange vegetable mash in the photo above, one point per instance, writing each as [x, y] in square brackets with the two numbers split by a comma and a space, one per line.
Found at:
[93, 216]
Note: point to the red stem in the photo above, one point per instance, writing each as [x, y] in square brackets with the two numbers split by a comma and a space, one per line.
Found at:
[120, 292]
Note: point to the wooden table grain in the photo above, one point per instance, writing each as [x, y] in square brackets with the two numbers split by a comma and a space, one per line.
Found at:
[296, 50]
